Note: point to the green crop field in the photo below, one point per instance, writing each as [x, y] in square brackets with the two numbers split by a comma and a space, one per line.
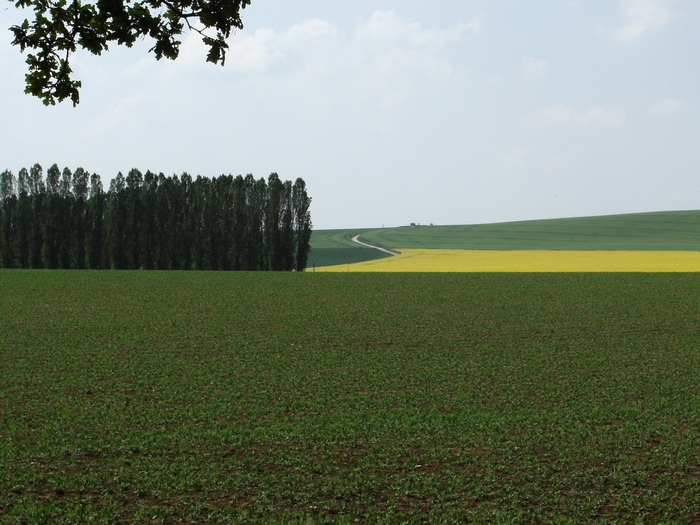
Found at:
[332, 247]
[674, 230]
[169, 397]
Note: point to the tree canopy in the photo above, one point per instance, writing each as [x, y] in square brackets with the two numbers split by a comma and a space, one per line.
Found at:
[60, 27]
[68, 220]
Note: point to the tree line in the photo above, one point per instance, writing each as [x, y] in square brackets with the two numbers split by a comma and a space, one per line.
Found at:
[147, 221]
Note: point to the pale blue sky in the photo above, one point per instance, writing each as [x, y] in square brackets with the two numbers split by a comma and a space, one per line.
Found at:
[447, 112]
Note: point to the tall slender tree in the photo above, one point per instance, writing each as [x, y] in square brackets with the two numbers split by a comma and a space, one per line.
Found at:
[80, 195]
[8, 206]
[275, 187]
[186, 218]
[224, 223]
[224, 230]
[36, 194]
[117, 223]
[198, 196]
[24, 218]
[239, 224]
[67, 227]
[175, 218]
[286, 229]
[96, 246]
[167, 223]
[256, 197]
[52, 219]
[302, 223]
[132, 195]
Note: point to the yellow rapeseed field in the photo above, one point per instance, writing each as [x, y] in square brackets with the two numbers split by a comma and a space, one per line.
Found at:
[423, 260]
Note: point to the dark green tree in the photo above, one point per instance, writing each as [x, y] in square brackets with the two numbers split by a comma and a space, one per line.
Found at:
[24, 218]
[96, 247]
[273, 244]
[302, 223]
[67, 228]
[239, 225]
[186, 218]
[256, 196]
[224, 228]
[80, 193]
[59, 28]
[198, 231]
[134, 213]
[210, 226]
[173, 223]
[52, 218]
[117, 223]
[286, 229]
[8, 206]
[36, 236]
[168, 223]
[149, 202]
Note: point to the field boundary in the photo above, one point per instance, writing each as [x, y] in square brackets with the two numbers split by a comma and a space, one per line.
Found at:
[356, 239]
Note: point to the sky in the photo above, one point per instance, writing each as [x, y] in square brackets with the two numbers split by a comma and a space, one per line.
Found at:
[444, 112]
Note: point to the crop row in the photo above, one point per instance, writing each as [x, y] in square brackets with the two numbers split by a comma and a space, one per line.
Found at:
[310, 397]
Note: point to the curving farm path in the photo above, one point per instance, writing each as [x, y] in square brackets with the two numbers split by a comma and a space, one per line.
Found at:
[356, 239]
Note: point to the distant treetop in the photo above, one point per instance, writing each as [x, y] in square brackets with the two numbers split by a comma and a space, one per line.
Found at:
[67, 220]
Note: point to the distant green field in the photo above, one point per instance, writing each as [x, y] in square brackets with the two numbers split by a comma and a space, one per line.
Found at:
[679, 230]
[332, 247]
[225, 397]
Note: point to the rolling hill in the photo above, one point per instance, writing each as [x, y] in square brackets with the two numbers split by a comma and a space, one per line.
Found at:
[654, 231]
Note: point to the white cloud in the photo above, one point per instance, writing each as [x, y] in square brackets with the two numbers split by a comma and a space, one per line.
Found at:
[383, 38]
[379, 63]
[123, 112]
[253, 54]
[643, 16]
[554, 116]
[376, 69]
[516, 157]
[260, 52]
[602, 117]
[387, 25]
[559, 115]
[476, 25]
[384, 48]
[667, 108]
[532, 69]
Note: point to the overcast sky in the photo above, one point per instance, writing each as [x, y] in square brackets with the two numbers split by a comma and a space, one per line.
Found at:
[445, 112]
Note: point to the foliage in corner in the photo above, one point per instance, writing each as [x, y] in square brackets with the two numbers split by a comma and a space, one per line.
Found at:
[60, 27]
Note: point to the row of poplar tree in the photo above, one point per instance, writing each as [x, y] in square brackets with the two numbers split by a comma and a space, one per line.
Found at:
[67, 220]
